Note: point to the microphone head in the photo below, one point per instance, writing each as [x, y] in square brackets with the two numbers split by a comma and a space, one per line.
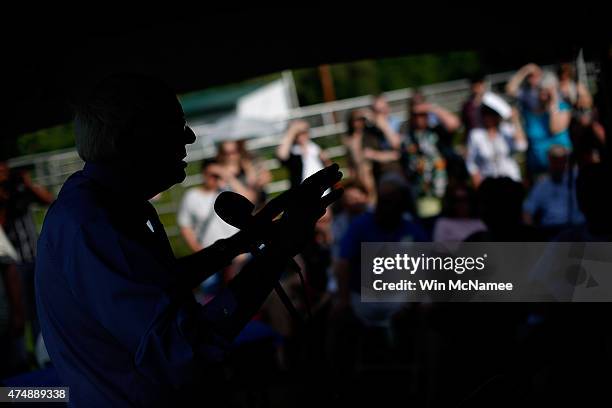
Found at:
[234, 209]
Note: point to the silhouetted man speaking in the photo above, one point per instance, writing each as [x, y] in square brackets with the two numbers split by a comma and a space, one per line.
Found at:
[117, 313]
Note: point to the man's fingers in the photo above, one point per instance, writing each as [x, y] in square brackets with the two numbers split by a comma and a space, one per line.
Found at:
[331, 197]
[273, 208]
[325, 178]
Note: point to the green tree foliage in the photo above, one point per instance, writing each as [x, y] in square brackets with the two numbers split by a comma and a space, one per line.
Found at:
[374, 76]
[46, 140]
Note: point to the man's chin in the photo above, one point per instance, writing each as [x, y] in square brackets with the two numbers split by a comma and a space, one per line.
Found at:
[169, 179]
[178, 176]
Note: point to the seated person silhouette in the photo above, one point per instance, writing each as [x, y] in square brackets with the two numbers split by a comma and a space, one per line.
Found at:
[117, 311]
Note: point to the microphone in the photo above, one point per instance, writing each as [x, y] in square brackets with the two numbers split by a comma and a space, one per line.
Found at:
[234, 209]
[237, 211]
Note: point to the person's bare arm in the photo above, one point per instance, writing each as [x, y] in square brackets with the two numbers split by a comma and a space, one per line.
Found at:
[381, 156]
[264, 177]
[513, 85]
[239, 187]
[324, 158]
[366, 176]
[190, 238]
[559, 120]
[250, 172]
[476, 179]
[470, 160]
[520, 139]
[393, 138]
[585, 100]
[43, 196]
[449, 120]
[284, 148]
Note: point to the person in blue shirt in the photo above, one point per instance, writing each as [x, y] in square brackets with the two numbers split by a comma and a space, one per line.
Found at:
[389, 222]
[552, 204]
[546, 117]
[117, 312]
[546, 127]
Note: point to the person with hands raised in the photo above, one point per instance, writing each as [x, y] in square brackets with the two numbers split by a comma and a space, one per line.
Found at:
[299, 153]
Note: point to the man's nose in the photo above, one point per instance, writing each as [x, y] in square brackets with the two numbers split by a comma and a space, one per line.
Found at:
[190, 136]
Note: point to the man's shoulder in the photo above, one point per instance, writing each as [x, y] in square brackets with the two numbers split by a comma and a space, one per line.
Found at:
[78, 203]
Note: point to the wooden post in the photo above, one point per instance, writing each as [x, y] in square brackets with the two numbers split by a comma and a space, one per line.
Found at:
[327, 83]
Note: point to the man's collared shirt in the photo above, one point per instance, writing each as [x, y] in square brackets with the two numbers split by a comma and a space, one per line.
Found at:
[115, 328]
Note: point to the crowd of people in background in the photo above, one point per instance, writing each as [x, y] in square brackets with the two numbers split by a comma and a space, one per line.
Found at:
[504, 168]
[507, 167]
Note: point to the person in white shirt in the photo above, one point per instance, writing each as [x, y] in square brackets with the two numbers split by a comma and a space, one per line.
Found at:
[200, 225]
[491, 148]
[301, 155]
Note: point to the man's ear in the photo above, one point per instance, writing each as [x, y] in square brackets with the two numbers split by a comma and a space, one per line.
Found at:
[133, 142]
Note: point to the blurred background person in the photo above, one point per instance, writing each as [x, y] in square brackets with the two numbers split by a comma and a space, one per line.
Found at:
[199, 223]
[428, 154]
[317, 258]
[546, 117]
[588, 138]
[359, 168]
[354, 325]
[385, 121]
[435, 118]
[241, 172]
[491, 148]
[13, 357]
[594, 201]
[551, 203]
[391, 221]
[380, 145]
[572, 92]
[459, 217]
[299, 154]
[500, 207]
[20, 193]
[352, 204]
[470, 111]
[371, 150]
[524, 86]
